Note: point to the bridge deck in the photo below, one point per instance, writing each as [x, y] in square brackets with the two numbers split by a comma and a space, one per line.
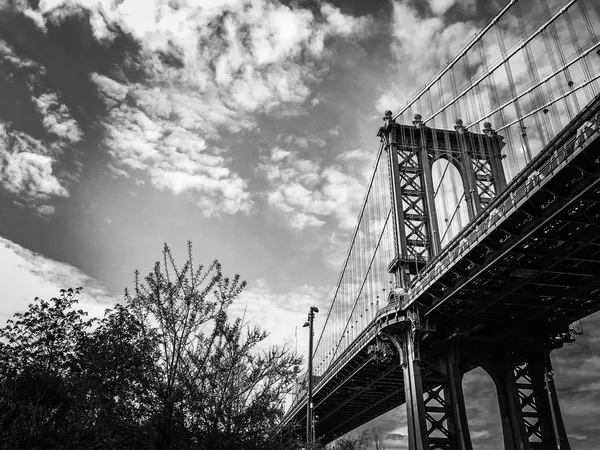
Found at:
[529, 261]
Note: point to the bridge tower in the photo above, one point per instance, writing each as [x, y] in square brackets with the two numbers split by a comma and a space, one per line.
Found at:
[412, 150]
[520, 369]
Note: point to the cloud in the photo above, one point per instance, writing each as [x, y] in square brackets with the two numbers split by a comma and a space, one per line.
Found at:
[420, 46]
[308, 192]
[281, 311]
[26, 168]
[163, 77]
[27, 274]
[30, 174]
[392, 426]
[146, 137]
[396, 437]
[208, 68]
[304, 142]
[38, 132]
[440, 7]
[57, 119]
[338, 23]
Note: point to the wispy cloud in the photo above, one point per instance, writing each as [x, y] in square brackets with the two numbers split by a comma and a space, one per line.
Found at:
[308, 192]
[27, 168]
[177, 158]
[282, 312]
[440, 7]
[420, 46]
[27, 274]
[30, 151]
[246, 59]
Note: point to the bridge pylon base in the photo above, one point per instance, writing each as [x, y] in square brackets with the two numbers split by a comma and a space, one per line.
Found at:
[529, 408]
[435, 406]
[435, 397]
[435, 403]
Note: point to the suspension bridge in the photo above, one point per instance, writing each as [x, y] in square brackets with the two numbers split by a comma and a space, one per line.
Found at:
[478, 242]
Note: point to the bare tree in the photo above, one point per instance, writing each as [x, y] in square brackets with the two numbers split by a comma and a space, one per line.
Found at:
[352, 442]
[366, 440]
[376, 440]
[214, 389]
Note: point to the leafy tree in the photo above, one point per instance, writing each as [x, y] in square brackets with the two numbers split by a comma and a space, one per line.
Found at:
[115, 405]
[38, 359]
[45, 337]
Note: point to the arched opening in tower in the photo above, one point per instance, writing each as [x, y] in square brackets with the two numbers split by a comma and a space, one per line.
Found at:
[483, 411]
[450, 200]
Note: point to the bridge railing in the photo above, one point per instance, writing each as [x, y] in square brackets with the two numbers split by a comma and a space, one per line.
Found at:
[349, 352]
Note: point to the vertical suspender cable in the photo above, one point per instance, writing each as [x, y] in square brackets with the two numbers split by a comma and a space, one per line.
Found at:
[513, 93]
[533, 75]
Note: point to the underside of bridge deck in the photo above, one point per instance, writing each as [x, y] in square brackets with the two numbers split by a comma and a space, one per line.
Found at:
[365, 389]
[537, 270]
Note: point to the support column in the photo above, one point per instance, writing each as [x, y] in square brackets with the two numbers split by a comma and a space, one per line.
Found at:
[400, 250]
[494, 144]
[455, 377]
[434, 231]
[508, 398]
[435, 406]
[469, 183]
[418, 438]
[531, 418]
[558, 423]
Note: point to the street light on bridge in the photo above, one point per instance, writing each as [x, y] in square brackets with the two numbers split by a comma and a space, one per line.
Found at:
[309, 405]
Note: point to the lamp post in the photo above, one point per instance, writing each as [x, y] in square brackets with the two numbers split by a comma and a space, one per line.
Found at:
[309, 405]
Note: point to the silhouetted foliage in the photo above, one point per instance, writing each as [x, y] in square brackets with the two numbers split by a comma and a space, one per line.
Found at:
[39, 359]
[366, 440]
[169, 369]
[116, 406]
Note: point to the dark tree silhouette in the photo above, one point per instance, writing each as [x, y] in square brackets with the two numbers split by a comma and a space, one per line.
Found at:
[168, 369]
[38, 361]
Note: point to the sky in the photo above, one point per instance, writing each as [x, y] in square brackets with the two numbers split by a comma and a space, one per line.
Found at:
[248, 128]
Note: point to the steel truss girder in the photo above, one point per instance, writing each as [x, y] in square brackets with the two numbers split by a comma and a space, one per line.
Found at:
[413, 200]
[484, 179]
[527, 230]
[531, 418]
[360, 392]
[548, 264]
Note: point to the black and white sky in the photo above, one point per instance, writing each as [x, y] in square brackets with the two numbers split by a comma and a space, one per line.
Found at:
[247, 127]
